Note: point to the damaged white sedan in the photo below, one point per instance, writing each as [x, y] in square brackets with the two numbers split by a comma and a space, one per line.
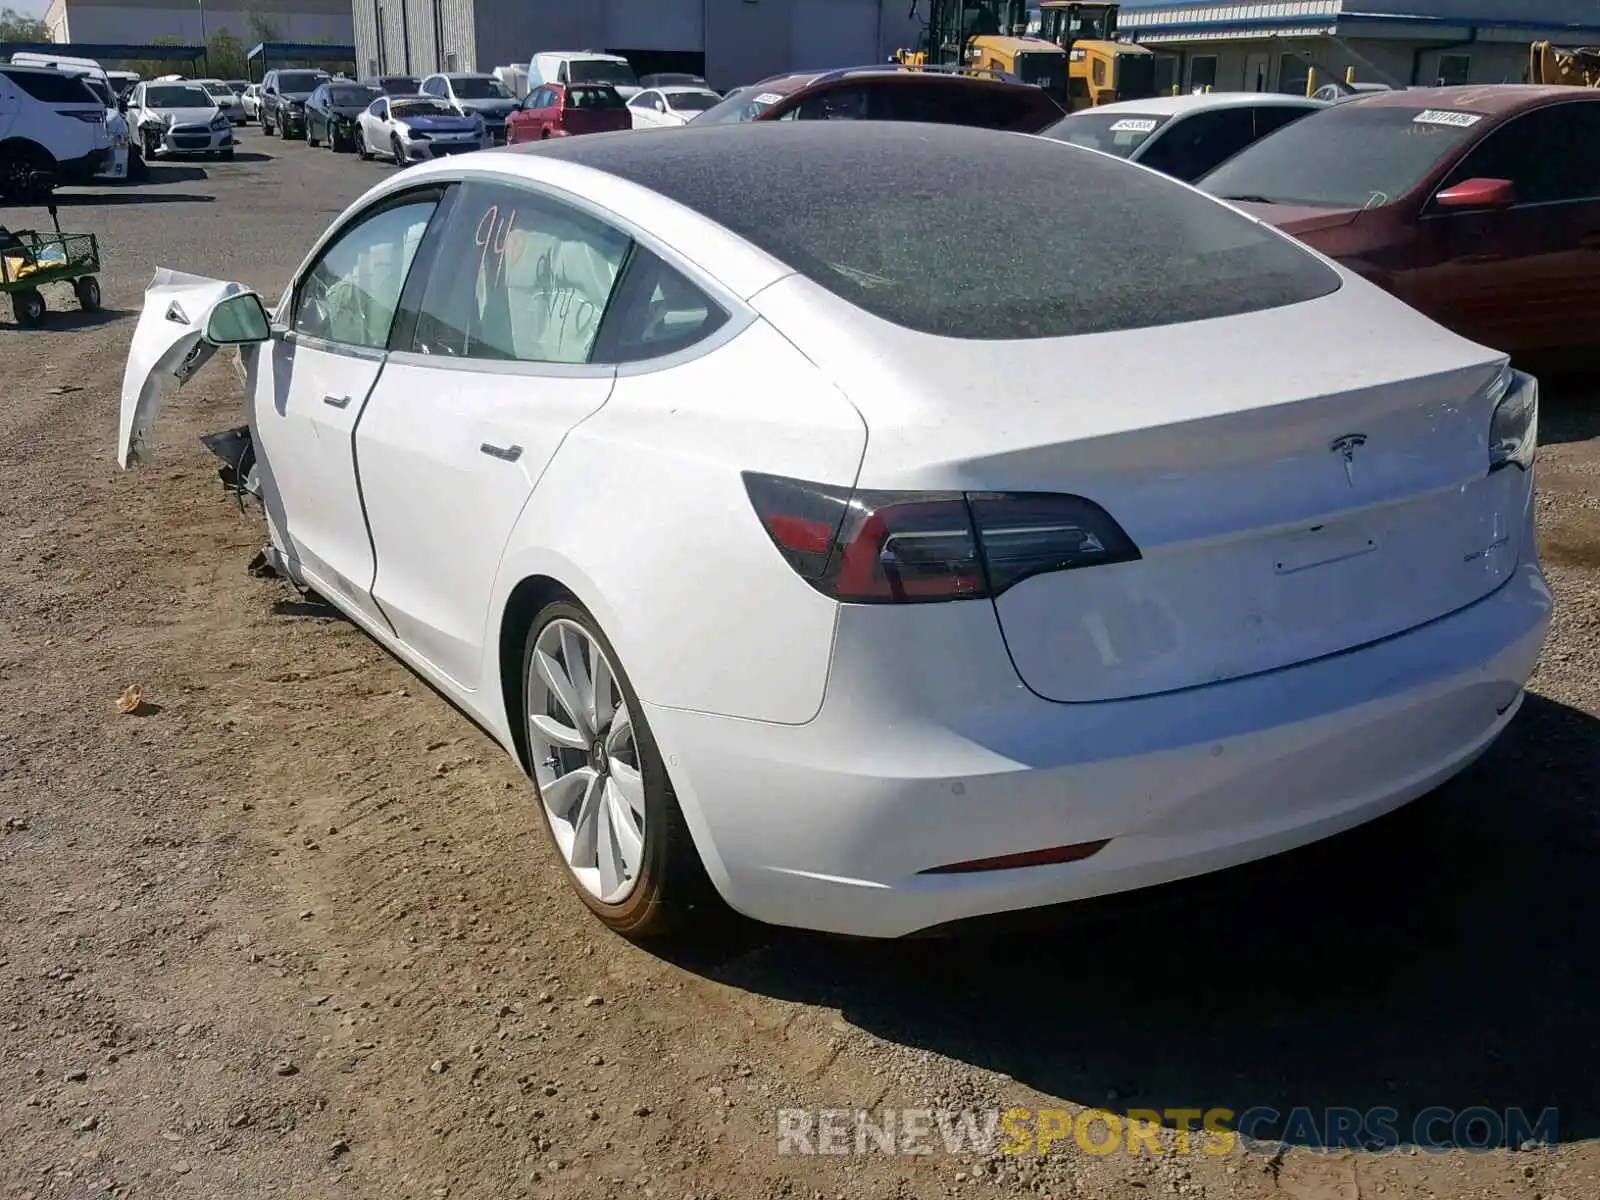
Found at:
[804, 559]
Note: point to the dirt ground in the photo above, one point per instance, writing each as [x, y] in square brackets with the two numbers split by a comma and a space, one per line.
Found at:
[293, 929]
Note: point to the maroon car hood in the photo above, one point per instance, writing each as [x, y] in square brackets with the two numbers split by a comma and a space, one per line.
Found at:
[1297, 218]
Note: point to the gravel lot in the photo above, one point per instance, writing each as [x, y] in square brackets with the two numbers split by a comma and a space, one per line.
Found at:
[294, 929]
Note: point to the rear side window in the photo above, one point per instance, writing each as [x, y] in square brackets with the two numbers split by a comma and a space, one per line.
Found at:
[518, 278]
[52, 87]
[657, 312]
[1080, 244]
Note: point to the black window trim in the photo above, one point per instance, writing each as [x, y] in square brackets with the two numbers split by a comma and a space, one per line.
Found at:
[1430, 210]
[740, 315]
[331, 236]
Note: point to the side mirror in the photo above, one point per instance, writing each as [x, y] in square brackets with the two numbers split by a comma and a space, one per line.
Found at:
[1478, 193]
[239, 321]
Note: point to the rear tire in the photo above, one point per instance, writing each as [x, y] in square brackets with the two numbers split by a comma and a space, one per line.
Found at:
[88, 290]
[24, 176]
[364, 154]
[668, 890]
[28, 307]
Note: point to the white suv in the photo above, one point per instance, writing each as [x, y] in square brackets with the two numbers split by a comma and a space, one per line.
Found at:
[52, 129]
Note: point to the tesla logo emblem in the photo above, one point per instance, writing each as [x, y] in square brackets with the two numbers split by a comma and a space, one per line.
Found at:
[1345, 447]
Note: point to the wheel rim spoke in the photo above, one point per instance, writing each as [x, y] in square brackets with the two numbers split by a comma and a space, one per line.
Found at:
[586, 825]
[557, 733]
[573, 644]
[563, 795]
[630, 788]
[565, 693]
[603, 695]
[620, 731]
[607, 852]
[624, 833]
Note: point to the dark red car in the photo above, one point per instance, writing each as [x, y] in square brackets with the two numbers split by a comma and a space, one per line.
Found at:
[889, 93]
[564, 109]
[1478, 205]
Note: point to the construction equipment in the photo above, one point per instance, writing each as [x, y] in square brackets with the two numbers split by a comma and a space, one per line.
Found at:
[988, 36]
[1102, 69]
[1578, 67]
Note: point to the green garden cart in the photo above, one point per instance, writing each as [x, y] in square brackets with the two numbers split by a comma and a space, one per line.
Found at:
[29, 260]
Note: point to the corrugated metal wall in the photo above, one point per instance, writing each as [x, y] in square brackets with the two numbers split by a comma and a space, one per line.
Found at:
[742, 40]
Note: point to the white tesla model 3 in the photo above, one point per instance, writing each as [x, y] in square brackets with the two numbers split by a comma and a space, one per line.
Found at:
[880, 525]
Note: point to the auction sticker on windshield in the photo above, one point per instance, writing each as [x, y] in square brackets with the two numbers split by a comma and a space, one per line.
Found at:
[1433, 116]
[768, 98]
[1134, 125]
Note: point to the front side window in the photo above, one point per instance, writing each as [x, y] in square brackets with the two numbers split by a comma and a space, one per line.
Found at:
[1353, 155]
[351, 293]
[1547, 154]
[518, 278]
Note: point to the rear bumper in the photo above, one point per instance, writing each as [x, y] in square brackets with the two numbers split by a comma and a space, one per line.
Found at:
[925, 754]
[82, 170]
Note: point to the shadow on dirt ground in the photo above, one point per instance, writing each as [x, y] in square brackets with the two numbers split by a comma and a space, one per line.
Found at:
[1568, 410]
[1443, 956]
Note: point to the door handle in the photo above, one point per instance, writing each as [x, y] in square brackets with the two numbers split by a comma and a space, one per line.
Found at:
[503, 453]
[337, 401]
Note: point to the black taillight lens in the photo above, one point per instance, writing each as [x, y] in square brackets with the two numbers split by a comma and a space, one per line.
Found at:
[915, 547]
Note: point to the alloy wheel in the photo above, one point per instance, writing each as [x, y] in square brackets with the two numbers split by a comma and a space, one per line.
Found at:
[586, 760]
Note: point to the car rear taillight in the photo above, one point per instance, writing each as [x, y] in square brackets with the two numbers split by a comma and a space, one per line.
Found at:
[866, 547]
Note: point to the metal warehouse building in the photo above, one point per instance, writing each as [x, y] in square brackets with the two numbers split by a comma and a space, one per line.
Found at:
[1271, 45]
[731, 42]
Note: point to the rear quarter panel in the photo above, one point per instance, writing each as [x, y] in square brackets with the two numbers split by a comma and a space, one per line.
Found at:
[643, 515]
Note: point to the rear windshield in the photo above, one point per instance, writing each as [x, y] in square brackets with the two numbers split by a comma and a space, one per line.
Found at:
[479, 89]
[749, 103]
[53, 87]
[352, 95]
[595, 97]
[1353, 156]
[692, 101]
[299, 81]
[599, 70]
[874, 212]
[420, 108]
[1114, 133]
[178, 97]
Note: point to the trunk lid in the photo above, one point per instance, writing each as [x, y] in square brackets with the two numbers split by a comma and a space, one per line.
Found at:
[1299, 481]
